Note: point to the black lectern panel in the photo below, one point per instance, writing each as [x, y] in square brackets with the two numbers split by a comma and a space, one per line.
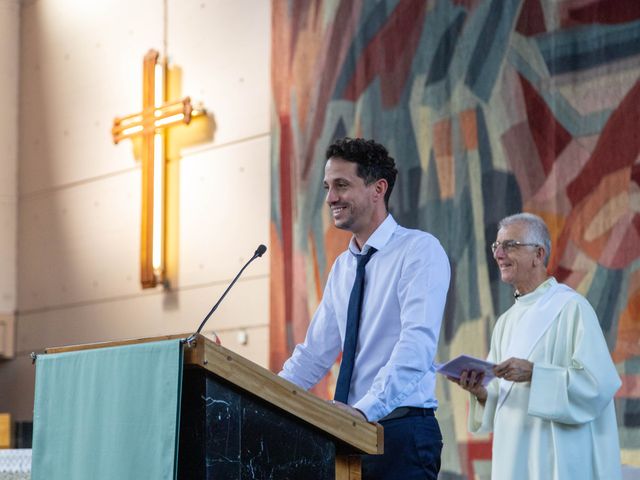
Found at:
[226, 433]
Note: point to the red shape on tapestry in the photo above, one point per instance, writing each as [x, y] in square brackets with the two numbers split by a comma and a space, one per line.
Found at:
[531, 20]
[561, 273]
[603, 11]
[549, 136]
[618, 147]
[477, 450]
[468, 5]
[390, 54]
[287, 158]
[635, 174]
[636, 222]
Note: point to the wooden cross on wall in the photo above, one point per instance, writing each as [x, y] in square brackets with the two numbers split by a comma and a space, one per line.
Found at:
[150, 124]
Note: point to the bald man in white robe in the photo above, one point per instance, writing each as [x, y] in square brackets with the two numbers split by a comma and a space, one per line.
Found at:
[551, 408]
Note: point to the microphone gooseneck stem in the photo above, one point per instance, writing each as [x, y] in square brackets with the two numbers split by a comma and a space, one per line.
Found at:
[258, 253]
[213, 309]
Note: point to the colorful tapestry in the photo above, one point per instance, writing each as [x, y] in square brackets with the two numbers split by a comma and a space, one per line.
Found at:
[490, 107]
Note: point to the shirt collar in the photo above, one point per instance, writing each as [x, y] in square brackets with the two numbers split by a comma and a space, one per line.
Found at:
[378, 239]
[538, 292]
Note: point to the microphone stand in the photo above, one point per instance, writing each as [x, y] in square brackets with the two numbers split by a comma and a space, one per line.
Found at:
[258, 253]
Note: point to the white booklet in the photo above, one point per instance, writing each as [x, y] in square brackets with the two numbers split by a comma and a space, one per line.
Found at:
[454, 368]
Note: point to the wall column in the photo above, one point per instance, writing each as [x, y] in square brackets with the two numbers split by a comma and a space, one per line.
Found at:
[9, 88]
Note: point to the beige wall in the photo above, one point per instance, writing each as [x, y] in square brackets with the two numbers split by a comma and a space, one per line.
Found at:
[79, 195]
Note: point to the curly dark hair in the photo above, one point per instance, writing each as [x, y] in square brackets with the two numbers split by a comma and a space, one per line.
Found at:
[372, 158]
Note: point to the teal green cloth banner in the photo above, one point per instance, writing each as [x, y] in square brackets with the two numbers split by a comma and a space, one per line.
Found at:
[108, 413]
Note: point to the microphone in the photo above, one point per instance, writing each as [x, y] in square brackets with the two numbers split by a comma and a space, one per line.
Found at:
[258, 253]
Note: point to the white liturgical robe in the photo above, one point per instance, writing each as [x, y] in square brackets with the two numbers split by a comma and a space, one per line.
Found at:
[562, 424]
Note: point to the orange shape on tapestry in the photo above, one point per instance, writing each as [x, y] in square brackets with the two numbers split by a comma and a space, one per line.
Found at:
[444, 158]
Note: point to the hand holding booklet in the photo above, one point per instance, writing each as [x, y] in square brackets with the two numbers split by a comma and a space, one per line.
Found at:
[454, 368]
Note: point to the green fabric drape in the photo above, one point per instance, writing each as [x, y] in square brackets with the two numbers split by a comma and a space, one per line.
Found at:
[108, 413]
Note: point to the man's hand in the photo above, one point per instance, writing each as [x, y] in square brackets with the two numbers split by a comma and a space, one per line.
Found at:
[349, 409]
[471, 381]
[514, 370]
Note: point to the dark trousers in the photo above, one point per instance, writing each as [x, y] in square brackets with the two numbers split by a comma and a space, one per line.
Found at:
[412, 446]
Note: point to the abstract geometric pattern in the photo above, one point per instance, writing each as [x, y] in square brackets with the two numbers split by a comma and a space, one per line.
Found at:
[490, 107]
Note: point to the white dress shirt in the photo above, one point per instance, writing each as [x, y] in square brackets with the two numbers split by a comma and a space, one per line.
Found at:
[406, 285]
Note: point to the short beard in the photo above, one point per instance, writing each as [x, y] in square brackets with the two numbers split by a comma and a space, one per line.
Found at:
[346, 225]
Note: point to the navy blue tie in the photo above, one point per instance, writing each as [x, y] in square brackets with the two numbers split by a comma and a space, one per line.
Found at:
[351, 336]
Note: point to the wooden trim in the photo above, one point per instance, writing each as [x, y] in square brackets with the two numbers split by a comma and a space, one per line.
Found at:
[6, 431]
[116, 343]
[348, 467]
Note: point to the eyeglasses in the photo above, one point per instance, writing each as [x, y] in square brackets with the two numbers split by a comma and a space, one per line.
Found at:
[510, 245]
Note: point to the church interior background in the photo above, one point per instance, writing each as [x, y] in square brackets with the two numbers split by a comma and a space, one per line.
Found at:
[489, 106]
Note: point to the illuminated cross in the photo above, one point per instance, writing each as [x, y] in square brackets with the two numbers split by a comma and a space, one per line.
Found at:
[157, 114]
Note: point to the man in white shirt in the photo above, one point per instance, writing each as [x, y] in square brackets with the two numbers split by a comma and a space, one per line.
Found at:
[551, 409]
[387, 372]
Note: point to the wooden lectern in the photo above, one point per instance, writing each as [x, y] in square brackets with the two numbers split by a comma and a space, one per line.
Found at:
[240, 421]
